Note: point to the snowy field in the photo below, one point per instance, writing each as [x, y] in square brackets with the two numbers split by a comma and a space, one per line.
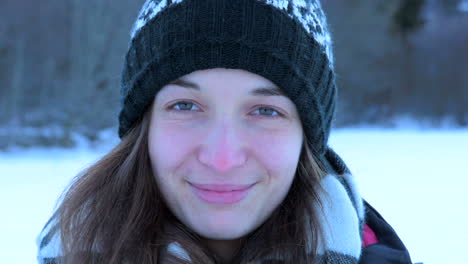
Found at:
[417, 179]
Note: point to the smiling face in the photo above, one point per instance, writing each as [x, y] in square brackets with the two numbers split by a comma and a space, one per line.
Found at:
[218, 130]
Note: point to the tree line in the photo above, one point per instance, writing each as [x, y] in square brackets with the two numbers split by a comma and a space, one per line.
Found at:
[60, 64]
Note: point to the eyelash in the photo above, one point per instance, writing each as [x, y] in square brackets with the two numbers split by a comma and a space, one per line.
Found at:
[279, 114]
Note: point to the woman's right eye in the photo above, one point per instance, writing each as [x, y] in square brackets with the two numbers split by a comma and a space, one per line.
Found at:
[182, 105]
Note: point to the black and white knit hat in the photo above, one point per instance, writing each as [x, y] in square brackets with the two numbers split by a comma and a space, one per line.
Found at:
[285, 41]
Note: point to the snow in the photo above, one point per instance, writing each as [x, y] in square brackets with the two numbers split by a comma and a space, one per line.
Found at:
[415, 178]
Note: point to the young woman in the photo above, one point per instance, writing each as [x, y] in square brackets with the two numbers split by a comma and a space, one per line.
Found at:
[226, 111]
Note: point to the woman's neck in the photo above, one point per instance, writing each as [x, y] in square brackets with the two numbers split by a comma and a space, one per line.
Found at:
[225, 249]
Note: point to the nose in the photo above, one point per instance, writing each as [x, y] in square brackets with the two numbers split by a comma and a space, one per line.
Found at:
[222, 149]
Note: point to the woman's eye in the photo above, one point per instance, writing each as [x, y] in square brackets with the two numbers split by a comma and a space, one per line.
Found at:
[263, 110]
[183, 106]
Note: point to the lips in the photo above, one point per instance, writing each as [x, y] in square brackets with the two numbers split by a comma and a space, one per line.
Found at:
[221, 193]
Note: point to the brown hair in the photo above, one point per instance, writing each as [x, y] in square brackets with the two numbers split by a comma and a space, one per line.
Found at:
[113, 212]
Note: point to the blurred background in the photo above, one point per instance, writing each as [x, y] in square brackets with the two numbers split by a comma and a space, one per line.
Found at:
[401, 127]
[60, 64]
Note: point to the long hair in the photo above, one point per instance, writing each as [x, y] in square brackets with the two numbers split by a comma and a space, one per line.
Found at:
[113, 212]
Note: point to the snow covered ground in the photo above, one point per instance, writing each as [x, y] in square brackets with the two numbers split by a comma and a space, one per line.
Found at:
[417, 179]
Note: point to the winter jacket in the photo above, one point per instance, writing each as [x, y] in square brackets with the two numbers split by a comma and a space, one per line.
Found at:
[389, 249]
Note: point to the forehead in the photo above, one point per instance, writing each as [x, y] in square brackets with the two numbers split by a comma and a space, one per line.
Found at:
[225, 81]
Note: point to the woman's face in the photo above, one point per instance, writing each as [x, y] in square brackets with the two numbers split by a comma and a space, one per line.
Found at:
[224, 150]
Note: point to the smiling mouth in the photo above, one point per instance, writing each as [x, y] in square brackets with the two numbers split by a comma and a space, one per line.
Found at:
[221, 193]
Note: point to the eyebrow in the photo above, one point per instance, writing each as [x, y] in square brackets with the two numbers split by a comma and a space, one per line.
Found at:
[261, 91]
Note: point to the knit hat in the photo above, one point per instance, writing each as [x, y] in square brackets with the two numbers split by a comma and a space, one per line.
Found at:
[285, 41]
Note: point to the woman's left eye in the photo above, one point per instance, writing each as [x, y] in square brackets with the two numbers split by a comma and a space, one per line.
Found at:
[268, 111]
[182, 104]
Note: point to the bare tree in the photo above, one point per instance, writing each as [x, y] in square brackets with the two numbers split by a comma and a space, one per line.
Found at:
[97, 45]
[365, 58]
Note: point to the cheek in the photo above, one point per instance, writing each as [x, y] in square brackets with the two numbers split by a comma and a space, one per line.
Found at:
[278, 152]
[168, 145]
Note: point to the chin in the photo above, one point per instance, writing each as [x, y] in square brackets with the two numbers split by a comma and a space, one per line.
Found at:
[223, 232]
[223, 235]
